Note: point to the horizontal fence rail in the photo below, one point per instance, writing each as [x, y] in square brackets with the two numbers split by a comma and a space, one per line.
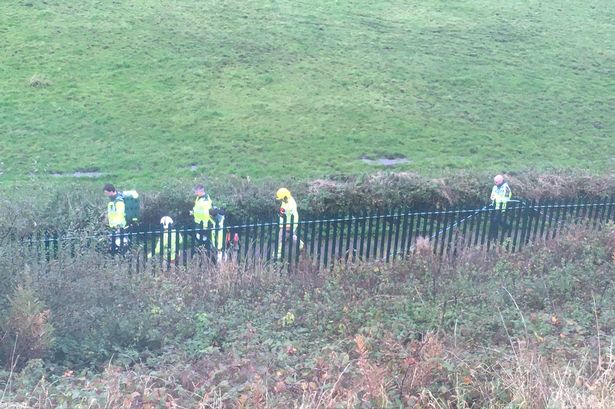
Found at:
[385, 235]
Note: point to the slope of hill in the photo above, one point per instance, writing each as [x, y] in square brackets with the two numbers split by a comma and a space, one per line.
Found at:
[143, 90]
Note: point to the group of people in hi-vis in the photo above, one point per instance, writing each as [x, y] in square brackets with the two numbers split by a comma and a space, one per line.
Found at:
[205, 214]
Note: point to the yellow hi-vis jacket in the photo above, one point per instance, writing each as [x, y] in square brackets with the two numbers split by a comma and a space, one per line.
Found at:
[200, 211]
[289, 208]
[116, 212]
[176, 240]
[201, 208]
[500, 195]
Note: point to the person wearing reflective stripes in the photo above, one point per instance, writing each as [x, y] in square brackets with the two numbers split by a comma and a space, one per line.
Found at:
[172, 245]
[500, 196]
[116, 211]
[204, 212]
[501, 193]
[288, 212]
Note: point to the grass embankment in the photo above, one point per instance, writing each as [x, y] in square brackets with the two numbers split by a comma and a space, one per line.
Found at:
[531, 330]
[143, 91]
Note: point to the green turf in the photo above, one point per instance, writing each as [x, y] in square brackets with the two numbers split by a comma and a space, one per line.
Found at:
[144, 89]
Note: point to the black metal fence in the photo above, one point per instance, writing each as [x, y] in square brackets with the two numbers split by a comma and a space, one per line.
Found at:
[386, 235]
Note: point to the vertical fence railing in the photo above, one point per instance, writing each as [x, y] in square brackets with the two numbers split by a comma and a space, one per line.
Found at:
[385, 235]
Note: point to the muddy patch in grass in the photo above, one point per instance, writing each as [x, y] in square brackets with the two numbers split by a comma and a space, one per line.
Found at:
[79, 174]
[385, 160]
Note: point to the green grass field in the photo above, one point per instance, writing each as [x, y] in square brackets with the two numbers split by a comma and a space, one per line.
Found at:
[147, 90]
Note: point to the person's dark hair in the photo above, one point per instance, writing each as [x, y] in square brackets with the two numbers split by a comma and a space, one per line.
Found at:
[109, 188]
[199, 187]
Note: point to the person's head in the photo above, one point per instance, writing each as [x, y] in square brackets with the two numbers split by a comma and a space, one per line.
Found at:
[109, 190]
[282, 194]
[166, 221]
[498, 180]
[199, 190]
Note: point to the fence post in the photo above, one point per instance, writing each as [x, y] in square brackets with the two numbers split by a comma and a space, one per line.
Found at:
[578, 210]
[591, 207]
[281, 246]
[568, 206]
[271, 235]
[167, 246]
[604, 205]
[474, 229]
[290, 238]
[340, 248]
[444, 215]
[486, 222]
[364, 218]
[547, 208]
[376, 234]
[334, 241]
[398, 226]
[340, 243]
[247, 241]
[431, 227]
[348, 235]
[504, 224]
[515, 221]
[319, 251]
[328, 229]
[160, 247]
[383, 235]
[298, 247]
[261, 242]
[404, 233]
[558, 208]
[611, 202]
[355, 238]
[392, 226]
[410, 231]
[369, 236]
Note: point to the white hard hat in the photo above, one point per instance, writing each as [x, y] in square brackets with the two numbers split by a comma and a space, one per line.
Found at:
[166, 221]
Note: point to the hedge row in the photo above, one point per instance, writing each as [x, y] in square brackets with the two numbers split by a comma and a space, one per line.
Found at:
[81, 208]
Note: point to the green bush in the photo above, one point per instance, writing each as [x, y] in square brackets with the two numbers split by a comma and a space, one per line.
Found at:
[26, 333]
[80, 208]
[246, 334]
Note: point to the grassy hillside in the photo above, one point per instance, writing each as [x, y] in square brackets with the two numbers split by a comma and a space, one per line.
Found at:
[142, 90]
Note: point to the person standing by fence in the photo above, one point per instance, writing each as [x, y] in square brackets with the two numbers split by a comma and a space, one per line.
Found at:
[116, 211]
[168, 246]
[500, 196]
[204, 214]
[500, 193]
[116, 219]
[289, 217]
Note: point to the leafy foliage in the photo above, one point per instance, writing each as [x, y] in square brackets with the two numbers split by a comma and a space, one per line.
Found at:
[479, 329]
[26, 333]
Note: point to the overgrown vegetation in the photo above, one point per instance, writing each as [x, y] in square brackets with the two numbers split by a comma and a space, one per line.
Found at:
[533, 329]
[74, 207]
[145, 92]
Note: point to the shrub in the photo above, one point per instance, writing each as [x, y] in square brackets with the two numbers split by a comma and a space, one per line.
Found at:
[27, 333]
[77, 207]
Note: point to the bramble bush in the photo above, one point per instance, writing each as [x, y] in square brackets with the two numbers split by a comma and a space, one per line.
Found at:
[26, 332]
[477, 330]
[81, 208]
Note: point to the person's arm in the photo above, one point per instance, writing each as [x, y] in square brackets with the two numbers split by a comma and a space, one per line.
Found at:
[492, 197]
